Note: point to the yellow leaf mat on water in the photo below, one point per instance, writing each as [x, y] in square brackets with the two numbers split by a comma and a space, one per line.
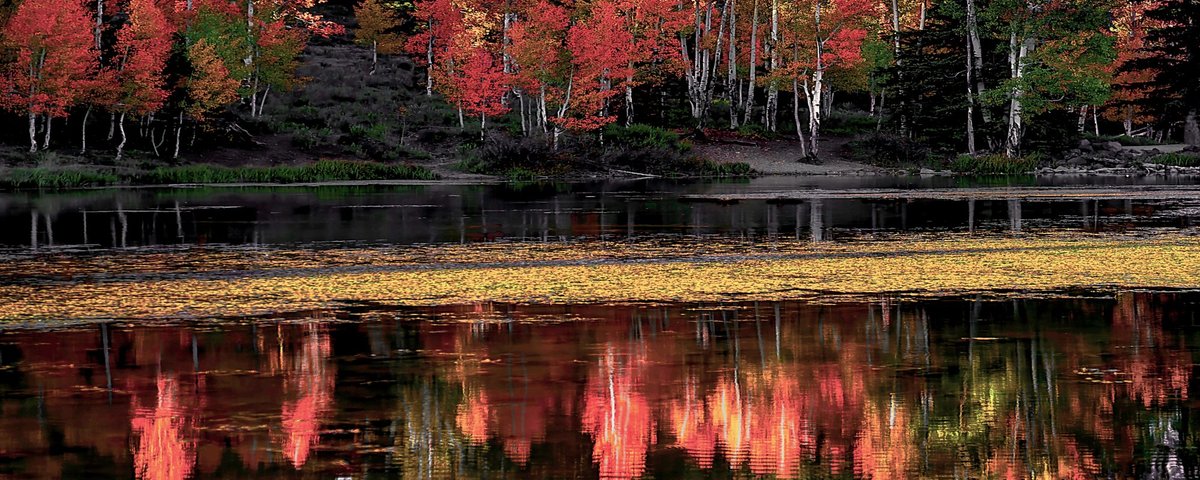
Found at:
[245, 282]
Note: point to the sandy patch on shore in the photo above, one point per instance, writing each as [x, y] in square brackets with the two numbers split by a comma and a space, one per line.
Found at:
[783, 157]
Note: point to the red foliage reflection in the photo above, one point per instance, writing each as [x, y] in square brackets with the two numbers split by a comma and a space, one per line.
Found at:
[164, 446]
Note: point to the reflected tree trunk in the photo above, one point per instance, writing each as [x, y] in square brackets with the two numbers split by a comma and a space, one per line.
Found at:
[816, 219]
[971, 215]
[33, 230]
[107, 362]
[1014, 215]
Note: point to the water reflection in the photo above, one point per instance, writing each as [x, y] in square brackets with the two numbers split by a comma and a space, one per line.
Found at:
[1080, 387]
[165, 445]
[309, 380]
[475, 213]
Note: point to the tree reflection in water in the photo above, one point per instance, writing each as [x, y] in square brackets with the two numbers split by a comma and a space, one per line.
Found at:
[164, 445]
[310, 379]
[891, 388]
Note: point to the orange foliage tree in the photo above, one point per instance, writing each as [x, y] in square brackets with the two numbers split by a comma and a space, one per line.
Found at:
[55, 56]
[142, 47]
[376, 28]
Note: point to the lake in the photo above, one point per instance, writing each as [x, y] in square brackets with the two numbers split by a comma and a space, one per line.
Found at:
[806, 327]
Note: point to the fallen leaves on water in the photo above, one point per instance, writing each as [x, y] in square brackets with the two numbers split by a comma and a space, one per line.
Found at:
[615, 272]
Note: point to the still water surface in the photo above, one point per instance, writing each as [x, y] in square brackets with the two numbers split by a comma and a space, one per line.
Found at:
[1095, 386]
[1094, 383]
[810, 208]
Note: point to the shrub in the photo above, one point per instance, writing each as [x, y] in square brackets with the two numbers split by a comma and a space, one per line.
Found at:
[645, 136]
[888, 150]
[994, 164]
[503, 154]
[306, 139]
[405, 151]
[518, 174]
[754, 131]
[849, 124]
[322, 170]
[374, 131]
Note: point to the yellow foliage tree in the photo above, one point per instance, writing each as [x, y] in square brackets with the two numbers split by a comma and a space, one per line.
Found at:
[376, 23]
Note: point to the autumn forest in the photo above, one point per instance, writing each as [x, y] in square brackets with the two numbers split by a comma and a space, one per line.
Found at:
[1003, 77]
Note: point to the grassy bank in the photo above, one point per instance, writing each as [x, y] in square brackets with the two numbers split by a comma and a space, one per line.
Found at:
[100, 176]
[994, 164]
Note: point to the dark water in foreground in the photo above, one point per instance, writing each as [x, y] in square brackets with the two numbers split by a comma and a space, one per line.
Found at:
[1095, 385]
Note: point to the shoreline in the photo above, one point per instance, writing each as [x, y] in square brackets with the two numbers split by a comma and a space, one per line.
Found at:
[1168, 172]
[771, 158]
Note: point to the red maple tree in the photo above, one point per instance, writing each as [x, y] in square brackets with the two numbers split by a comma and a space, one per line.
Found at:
[142, 47]
[601, 59]
[55, 55]
[481, 87]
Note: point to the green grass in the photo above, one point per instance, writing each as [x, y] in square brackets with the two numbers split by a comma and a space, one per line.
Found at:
[1177, 159]
[49, 178]
[732, 169]
[645, 136]
[519, 175]
[1125, 140]
[994, 164]
[375, 131]
[323, 170]
[755, 132]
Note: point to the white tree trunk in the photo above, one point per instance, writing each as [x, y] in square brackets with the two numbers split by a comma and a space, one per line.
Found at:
[178, 133]
[731, 84]
[429, 63]
[374, 56]
[814, 106]
[121, 146]
[99, 24]
[262, 102]
[542, 115]
[773, 56]
[976, 52]
[1018, 50]
[814, 95]
[796, 116]
[753, 64]
[83, 130]
[33, 143]
[701, 61]
[49, 124]
[562, 110]
[970, 104]
[629, 101]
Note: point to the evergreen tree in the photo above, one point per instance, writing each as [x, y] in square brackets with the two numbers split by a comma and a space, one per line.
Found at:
[1173, 53]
